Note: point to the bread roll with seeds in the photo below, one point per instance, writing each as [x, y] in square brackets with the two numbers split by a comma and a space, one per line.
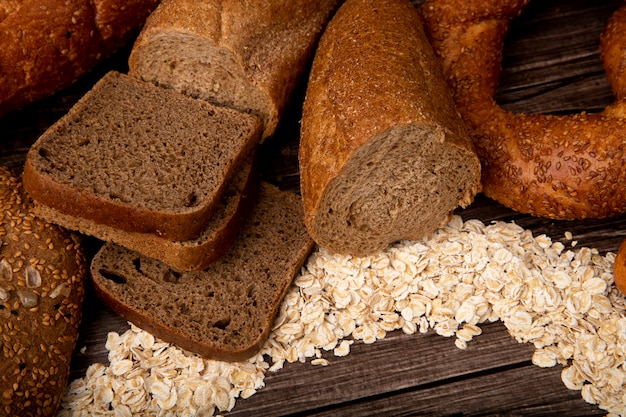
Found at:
[384, 155]
[42, 272]
[563, 167]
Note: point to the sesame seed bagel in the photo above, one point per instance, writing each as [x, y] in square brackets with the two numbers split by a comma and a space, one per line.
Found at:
[560, 167]
[42, 272]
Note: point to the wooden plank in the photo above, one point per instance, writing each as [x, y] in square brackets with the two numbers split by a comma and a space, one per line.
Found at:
[518, 391]
[421, 375]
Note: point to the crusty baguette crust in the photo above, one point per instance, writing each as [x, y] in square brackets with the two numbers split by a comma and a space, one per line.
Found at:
[375, 79]
[267, 43]
[560, 167]
[42, 273]
[47, 45]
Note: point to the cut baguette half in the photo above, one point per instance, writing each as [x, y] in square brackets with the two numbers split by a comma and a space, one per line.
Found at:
[384, 155]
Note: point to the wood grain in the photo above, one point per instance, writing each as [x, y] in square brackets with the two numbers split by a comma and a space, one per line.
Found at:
[551, 65]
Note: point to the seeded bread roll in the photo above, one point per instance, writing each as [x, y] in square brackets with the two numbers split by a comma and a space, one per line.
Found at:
[384, 155]
[226, 311]
[188, 255]
[42, 271]
[46, 45]
[245, 55]
[140, 158]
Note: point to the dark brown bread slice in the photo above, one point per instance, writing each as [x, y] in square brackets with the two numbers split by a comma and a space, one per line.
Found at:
[226, 311]
[140, 158]
[245, 55]
[384, 155]
[188, 255]
[42, 274]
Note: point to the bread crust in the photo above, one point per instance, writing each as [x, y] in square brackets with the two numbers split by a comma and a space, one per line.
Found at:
[42, 272]
[46, 46]
[559, 167]
[619, 267]
[375, 100]
[267, 46]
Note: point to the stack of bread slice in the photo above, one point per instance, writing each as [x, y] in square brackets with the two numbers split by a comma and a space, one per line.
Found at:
[160, 165]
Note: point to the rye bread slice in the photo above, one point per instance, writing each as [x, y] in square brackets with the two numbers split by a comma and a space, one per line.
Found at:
[140, 158]
[188, 255]
[226, 311]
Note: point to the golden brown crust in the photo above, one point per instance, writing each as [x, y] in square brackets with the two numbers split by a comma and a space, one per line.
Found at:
[562, 167]
[47, 45]
[42, 271]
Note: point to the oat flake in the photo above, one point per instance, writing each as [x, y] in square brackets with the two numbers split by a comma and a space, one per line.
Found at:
[563, 301]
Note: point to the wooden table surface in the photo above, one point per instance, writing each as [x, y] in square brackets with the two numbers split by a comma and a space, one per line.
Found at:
[551, 65]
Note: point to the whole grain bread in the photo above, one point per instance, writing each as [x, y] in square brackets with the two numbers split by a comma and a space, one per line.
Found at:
[46, 45]
[384, 156]
[140, 158]
[189, 255]
[42, 273]
[245, 55]
[226, 311]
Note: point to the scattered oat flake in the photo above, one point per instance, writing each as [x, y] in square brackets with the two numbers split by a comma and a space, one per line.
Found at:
[563, 301]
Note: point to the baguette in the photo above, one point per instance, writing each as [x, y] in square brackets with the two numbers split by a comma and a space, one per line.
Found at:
[247, 55]
[47, 45]
[383, 154]
[42, 274]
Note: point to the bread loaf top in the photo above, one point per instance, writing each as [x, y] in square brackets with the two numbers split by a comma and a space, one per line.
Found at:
[245, 55]
[46, 46]
[140, 158]
[226, 311]
[383, 155]
[42, 272]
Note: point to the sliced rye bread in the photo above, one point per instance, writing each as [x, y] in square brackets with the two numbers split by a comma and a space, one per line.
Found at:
[189, 255]
[226, 311]
[140, 158]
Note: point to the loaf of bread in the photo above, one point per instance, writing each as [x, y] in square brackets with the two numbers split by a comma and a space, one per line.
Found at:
[226, 311]
[383, 155]
[245, 55]
[140, 158]
[189, 255]
[45, 46]
[42, 273]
